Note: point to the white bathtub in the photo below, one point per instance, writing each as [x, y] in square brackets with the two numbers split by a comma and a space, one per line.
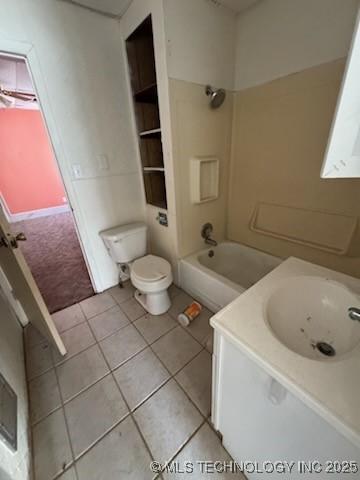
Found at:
[217, 280]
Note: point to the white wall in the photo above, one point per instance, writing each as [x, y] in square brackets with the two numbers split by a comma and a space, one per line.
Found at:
[200, 42]
[279, 37]
[79, 69]
[199, 131]
[14, 466]
[200, 39]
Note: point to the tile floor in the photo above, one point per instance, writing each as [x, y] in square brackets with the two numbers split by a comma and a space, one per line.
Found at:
[132, 388]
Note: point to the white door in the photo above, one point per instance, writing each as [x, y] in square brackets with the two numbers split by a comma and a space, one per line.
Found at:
[23, 284]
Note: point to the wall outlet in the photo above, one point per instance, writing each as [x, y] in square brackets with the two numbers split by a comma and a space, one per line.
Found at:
[162, 219]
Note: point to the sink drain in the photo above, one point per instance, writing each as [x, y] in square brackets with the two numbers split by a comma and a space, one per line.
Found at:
[326, 349]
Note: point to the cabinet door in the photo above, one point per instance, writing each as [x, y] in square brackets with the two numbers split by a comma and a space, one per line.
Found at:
[342, 157]
[260, 423]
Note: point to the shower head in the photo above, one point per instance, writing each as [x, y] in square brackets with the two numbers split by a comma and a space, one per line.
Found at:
[217, 96]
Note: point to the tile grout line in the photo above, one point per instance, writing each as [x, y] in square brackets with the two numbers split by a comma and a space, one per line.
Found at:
[67, 428]
[65, 402]
[117, 304]
[127, 406]
[103, 435]
[132, 411]
[30, 434]
[86, 320]
[111, 372]
[70, 328]
[98, 342]
[181, 448]
[172, 376]
[74, 459]
[26, 349]
[98, 380]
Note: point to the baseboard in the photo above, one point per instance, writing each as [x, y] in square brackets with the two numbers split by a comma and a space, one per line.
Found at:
[43, 212]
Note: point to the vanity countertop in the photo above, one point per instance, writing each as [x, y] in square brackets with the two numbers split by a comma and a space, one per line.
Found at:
[330, 387]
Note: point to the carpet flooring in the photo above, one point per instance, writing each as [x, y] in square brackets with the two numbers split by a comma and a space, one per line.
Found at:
[53, 253]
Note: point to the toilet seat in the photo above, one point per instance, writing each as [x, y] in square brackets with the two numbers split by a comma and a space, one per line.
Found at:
[151, 268]
[151, 274]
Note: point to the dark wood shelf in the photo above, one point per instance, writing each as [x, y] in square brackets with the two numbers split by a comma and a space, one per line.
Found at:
[147, 94]
[153, 133]
[155, 188]
[153, 169]
[141, 58]
[151, 152]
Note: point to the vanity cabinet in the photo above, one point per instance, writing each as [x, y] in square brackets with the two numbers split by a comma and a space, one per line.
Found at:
[260, 421]
[342, 156]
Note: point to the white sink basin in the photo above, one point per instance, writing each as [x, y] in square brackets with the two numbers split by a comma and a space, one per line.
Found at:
[309, 315]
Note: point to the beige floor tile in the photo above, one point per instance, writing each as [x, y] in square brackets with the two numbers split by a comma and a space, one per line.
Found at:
[75, 340]
[122, 294]
[195, 379]
[133, 309]
[200, 327]
[174, 291]
[179, 303]
[176, 348]
[204, 446]
[152, 327]
[44, 395]
[68, 318]
[92, 413]
[140, 376]
[38, 360]
[167, 420]
[51, 446]
[122, 345]
[97, 304]
[108, 322]
[121, 454]
[81, 371]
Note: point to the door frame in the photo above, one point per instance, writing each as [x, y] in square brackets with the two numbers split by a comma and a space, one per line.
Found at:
[26, 51]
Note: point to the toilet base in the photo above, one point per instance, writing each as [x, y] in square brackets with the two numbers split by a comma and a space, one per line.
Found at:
[154, 303]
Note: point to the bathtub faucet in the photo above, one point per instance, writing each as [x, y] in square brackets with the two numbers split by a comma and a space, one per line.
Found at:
[354, 313]
[206, 231]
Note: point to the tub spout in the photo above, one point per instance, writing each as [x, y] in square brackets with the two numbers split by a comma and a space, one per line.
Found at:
[211, 241]
[206, 231]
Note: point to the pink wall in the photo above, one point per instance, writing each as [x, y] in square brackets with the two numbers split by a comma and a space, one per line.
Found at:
[29, 178]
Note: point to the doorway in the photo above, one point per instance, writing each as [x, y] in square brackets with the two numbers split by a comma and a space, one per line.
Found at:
[33, 195]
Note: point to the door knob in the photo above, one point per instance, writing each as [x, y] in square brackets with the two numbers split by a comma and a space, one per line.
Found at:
[12, 240]
[20, 237]
[4, 242]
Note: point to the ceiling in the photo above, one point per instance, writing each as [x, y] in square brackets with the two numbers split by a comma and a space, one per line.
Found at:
[111, 7]
[118, 7]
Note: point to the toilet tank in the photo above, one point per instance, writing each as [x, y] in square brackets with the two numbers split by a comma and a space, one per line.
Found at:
[125, 243]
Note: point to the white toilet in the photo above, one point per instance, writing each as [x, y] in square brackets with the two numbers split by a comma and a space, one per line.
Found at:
[150, 275]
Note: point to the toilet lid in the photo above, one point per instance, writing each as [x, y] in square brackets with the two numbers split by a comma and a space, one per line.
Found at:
[151, 268]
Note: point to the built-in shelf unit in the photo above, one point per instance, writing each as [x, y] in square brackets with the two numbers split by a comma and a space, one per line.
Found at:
[141, 58]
